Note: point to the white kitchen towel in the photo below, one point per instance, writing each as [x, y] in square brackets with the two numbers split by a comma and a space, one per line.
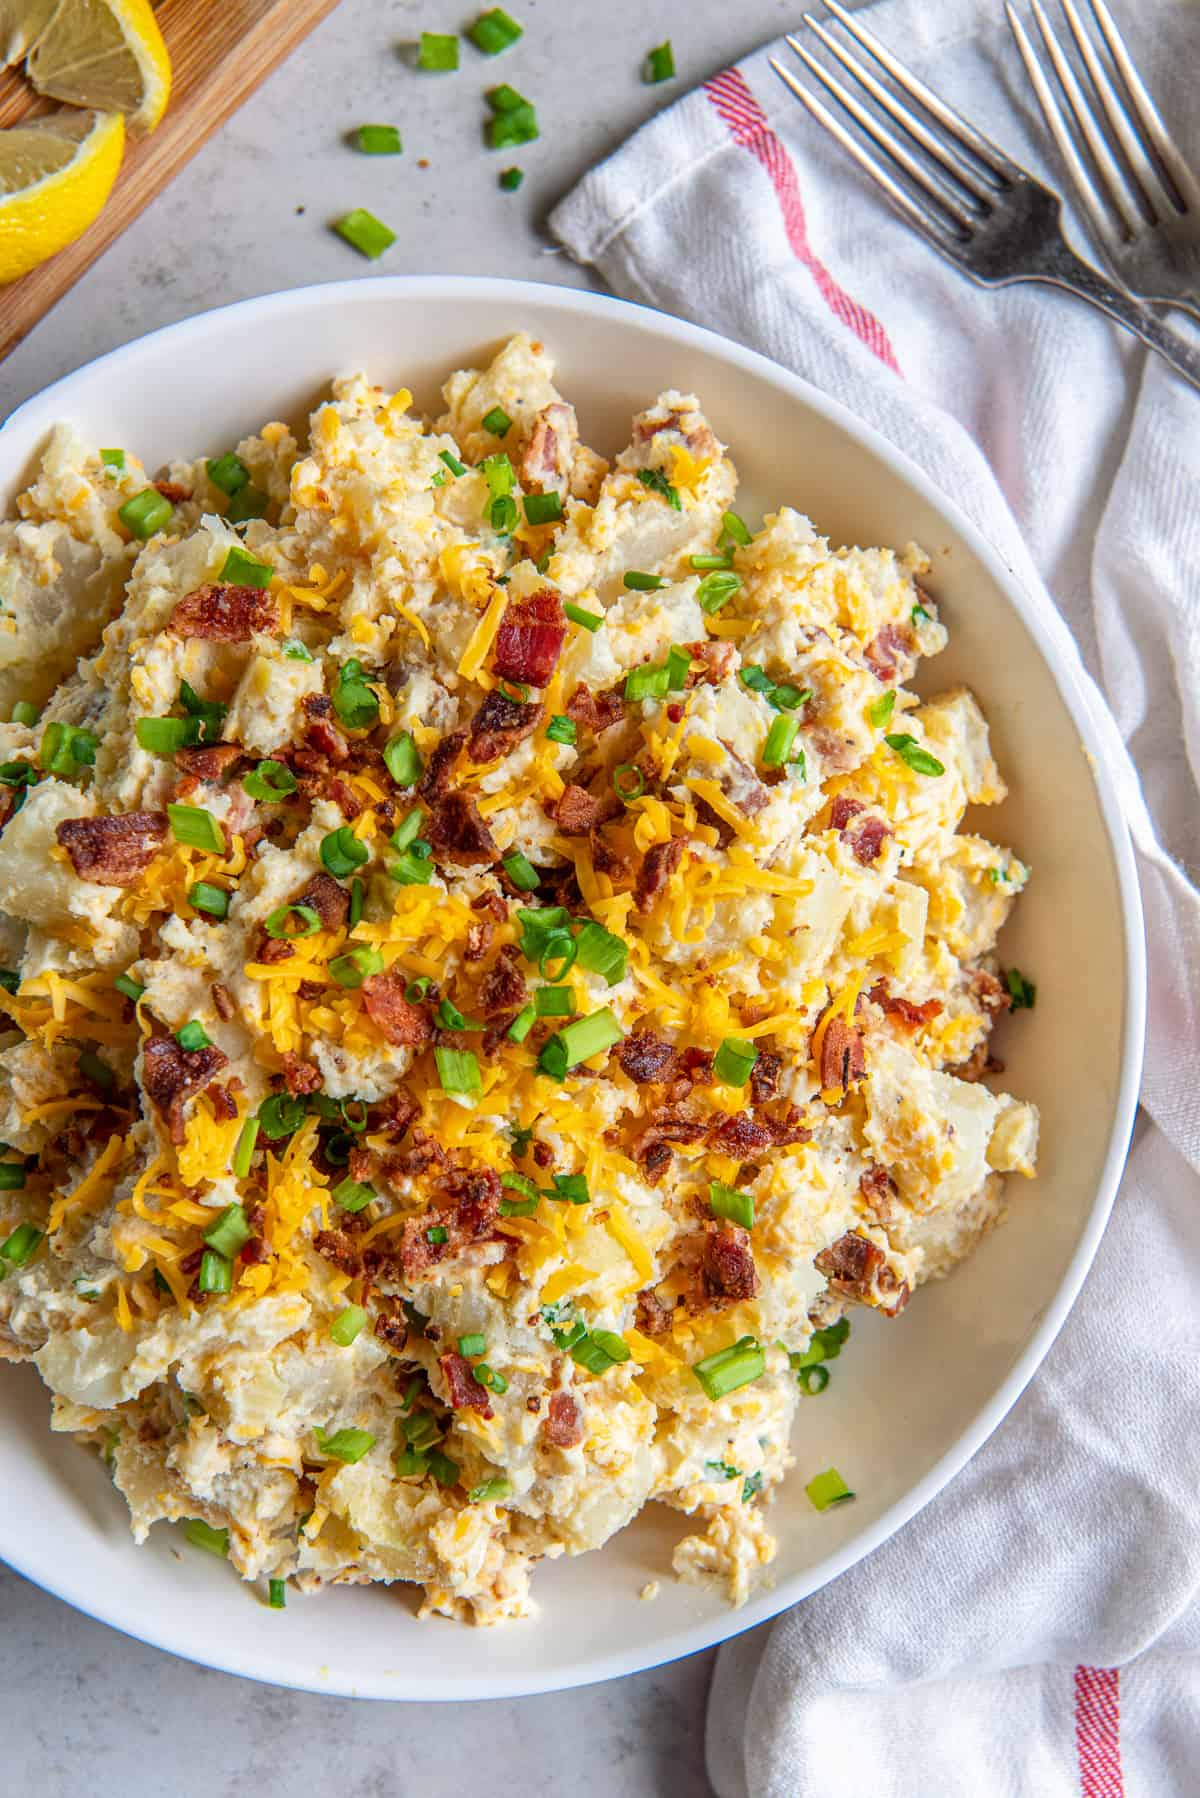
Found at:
[1036, 1631]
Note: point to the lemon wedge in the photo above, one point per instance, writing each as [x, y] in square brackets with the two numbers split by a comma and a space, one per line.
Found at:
[55, 175]
[105, 54]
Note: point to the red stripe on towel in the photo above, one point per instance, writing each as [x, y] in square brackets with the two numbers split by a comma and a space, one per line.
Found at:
[1098, 1732]
[747, 122]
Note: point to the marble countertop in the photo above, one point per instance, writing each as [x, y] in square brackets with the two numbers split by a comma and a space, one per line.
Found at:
[88, 1709]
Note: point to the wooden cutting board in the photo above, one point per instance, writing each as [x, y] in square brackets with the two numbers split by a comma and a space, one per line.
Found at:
[220, 51]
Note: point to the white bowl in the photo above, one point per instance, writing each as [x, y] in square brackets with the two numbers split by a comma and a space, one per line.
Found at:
[898, 1424]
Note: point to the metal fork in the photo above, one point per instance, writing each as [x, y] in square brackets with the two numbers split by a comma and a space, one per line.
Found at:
[1145, 207]
[989, 217]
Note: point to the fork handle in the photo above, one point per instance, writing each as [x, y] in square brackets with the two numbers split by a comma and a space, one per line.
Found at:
[1061, 267]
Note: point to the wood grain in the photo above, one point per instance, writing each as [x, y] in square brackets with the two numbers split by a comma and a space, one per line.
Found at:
[219, 55]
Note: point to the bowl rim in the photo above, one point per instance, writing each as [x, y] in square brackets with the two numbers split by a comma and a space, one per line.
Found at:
[1066, 672]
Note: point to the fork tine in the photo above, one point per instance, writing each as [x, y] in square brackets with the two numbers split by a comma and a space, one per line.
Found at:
[1147, 113]
[922, 218]
[1112, 176]
[884, 139]
[1089, 194]
[1155, 194]
[936, 146]
[990, 155]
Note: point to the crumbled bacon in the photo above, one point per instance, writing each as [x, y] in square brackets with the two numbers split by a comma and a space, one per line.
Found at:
[337, 1246]
[392, 1331]
[658, 864]
[439, 770]
[607, 860]
[843, 1060]
[690, 425]
[208, 761]
[503, 986]
[993, 996]
[224, 614]
[466, 1394]
[330, 901]
[299, 1076]
[856, 1269]
[223, 1102]
[397, 1114]
[890, 652]
[222, 1000]
[112, 851]
[717, 660]
[575, 811]
[491, 902]
[530, 639]
[866, 840]
[546, 463]
[345, 798]
[479, 939]
[272, 949]
[174, 491]
[421, 1154]
[563, 1425]
[499, 725]
[645, 1057]
[729, 1271]
[476, 1194]
[456, 831]
[843, 809]
[765, 1076]
[171, 1074]
[652, 1316]
[978, 1063]
[878, 1191]
[596, 712]
[741, 1135]
[652, 1148]
[905, 1011]
[405, 1025]
[327, 740]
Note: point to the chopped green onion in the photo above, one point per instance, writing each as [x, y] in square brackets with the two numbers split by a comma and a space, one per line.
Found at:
[403, 759]
[473, 1344]
[716, 589]
[629, 783]
[295, 651]
[637, 582]
[571, 1187]
[826, 1345]
[511, 179]
[450, 1018]
[347, 1445]
[559, 946]
[357, 896]
[522, 1024]
[132, 989]
[353, 701]
[10, 980]
[443, 1469]
[497, 471]
[243, 570]
[437, 51]
[651, 681]
[780, 737]
[113, 458]
[458, 1070]
[437, 1234]
[353, 1195]
[910, 751]
[247, 502]
[579, 1041]
[192, 1035]
[228, 472]
[702, 562]
[813, 1379]
[517, 691]
[452, 462]
[243, 1150]
[554, 1002]
[408, 830]
[203, 1535]
[197, 828]
[656, 480]
[230, 1232]
[660, 64]
[25, 712]
[599, 1350]
[205, 897]
[497, 422]
[378, 140]
[879, 712]
[65, 749]
[93, 1068]
[356, 965]
[19, 1248]
[146, 513]
[505, 98]
[511, 124]
[588, 621]
[729, 1368]
[411, 869]
[216, 1273]
[16, 774]
[1022, 992]
[280, 1115]
[726, 1201]
[502, 515]
[679, 664]
[278, 923]
[733, 1061]
[917, 614]
[365, 233]
[521, 871]
[487, 1376]
[490, 1489]
[561, 729]
[543, 508]
[342, 852]
[752, 1487]
[209, 711]
[276, 1594]
[722, 1470]
[347, 1325]
[163, 736]
[734, 528]
[270, 781]
[828, 1488]
[600, 952]
[494, 31]
[786, 698]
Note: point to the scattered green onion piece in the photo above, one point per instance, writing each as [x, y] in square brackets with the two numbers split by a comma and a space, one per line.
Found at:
[230, 1232]
[197, 828]
[522, 1024]
[588, 621]
[16, 774]
[243, 1149]
[248, 502]
[357, 896]
[278, 924]
[146, 513]
[378, 140]
[474, 1344]
[598, 1350]
[132, 989]
[702, 562]
[826, 1489]
[1022, 992]
[579, 1041]
[487, 1376]
[295, 651]
[543, 508]
[571, 1187]
[494, 31]
[353, 701]
[730, 1368]
[756, 679]
[205, 897]
[365, 233]
[192, 1035]
[497, 422]
[637, 582]
[629, 783]
[403, 759]
[444, 1470]
[449, 1016]
[727, 1201]
[511, 127]
[276, 1594]
[19, 1248]
[917, 614]
[752, 1487]
[780, 738]
[786, 698]
[880, 710]
[513, 1182]
[416, 990]
[437, 51]
[411, 869]
[679, 664]
[497, 471]
[347, 1325]
[458, 1070]
[521, 871]
[505, 98]
[910, 752]
[356, 965]
[490, 1489]
[228, 472]
[25, 712]
[93, 1068]
[437, 1234]
[280, 1115]
[65, 749]
[660, 64]
[826, 1345]
[554, 1002]
[243, 570]
[656, 480]
[502, 515]
[511, 179]
[716, 590]
[203, 1535]
[813, 1380]
[216, 1274]
[735, 529]
[517, 691]
[562, 729]
[210, 712]
[342, 852]
[113, 458]
[721, 1470]
[163, 736]
[601, 952]
[452, 462]
[410, 1463]
[353, 1195]
[10, 980]
[734, 1060]
[408, 830]
[651, 681]
[560, 947]
[270, 781]
[348, 1445]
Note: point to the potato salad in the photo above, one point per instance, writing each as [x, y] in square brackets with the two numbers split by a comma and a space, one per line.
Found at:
[492, 978]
